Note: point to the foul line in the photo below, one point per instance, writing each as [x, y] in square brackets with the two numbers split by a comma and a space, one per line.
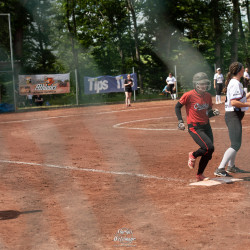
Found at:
[93, 170]
[75, 115]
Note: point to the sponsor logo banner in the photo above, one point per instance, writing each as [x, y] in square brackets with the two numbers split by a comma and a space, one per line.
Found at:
[107, 84]
[44, 84]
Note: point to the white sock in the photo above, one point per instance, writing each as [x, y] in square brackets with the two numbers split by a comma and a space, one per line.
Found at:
[228, 155]
[174, 96]
[219, 97]
[231, 162]
[216, 98]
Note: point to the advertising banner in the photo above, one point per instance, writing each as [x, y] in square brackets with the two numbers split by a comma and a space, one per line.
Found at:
[44, 84]
[107, 84]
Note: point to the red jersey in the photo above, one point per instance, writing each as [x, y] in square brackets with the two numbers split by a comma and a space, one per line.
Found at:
[197, 106]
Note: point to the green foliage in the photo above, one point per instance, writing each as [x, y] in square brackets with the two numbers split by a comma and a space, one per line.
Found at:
[96, 37]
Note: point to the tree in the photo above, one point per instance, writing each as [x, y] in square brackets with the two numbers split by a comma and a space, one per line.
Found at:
[131, 7]
[235, 34]
[218, 32]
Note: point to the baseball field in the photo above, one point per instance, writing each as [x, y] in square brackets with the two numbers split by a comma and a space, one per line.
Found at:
[112, 177]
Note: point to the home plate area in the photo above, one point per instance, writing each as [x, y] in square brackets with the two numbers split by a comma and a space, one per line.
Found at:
[215, 181]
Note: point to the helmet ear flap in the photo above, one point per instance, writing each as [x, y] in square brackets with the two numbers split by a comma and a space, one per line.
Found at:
[194, 85]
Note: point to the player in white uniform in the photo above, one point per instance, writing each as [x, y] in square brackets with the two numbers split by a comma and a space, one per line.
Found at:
[218, 84]
[171, 81]
[235, 106]
[246, 79]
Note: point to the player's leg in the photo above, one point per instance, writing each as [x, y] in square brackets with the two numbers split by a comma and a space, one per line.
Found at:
[207, 156]
[233, 121]
[203, 136]
[126, 98]
[171, 90]
[129, 98]
[217, 93]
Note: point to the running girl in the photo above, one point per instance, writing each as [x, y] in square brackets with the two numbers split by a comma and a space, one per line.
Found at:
[198, 109]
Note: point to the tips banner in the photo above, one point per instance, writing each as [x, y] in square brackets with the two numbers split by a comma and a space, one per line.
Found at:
[107, 84]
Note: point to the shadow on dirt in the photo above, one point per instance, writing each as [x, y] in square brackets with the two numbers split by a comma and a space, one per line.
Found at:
[13, 214]
[246, 178]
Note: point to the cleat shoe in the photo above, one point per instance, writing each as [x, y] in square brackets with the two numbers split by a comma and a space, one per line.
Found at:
[221, 172]
[234, 169]
[191, 160]
[201, 177]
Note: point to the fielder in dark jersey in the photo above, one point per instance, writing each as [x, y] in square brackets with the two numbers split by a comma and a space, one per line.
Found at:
[198, 109]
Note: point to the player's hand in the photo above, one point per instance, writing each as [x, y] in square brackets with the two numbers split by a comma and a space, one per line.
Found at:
[216, 112]
[181, 125]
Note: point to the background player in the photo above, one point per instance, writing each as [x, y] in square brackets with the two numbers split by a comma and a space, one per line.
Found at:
[198, 109]
[218, 85]
[128, 83]
[246, 79]
[171, 81]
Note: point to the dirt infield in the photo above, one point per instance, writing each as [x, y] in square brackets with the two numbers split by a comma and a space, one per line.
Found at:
[111, 177]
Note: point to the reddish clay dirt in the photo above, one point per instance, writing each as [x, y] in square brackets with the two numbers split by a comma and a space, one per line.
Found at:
[109, 177]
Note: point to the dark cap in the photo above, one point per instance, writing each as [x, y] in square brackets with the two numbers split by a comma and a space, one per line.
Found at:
[200, 77]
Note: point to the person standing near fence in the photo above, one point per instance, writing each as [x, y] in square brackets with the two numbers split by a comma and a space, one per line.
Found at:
[245, 80]
[30, 99]
[171, 81]
[128, 84]
[198, 104]
[218, 85]
[235, 106]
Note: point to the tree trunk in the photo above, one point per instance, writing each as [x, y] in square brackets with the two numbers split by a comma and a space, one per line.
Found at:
[248, 41]
[243, 38]
[18, 38]
[121, 53]
[70, 13]
[137, 51]
[217, 32]
[248, 14]
[235, 34]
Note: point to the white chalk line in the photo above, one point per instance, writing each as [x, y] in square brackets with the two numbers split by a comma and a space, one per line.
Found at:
[93, 170]
[120, 125]
[75, 115]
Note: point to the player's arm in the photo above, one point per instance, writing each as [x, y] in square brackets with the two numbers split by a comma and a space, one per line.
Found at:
[248, 95]
[238, 104]
[178, 107]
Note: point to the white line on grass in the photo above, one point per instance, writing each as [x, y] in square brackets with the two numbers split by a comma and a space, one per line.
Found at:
[93, 170]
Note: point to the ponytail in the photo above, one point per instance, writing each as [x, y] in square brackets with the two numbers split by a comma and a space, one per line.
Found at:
[234, 69]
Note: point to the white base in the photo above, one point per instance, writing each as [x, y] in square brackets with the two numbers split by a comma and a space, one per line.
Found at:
[215, 181]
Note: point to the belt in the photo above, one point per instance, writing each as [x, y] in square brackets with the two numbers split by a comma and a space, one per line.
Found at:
[197, 123]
